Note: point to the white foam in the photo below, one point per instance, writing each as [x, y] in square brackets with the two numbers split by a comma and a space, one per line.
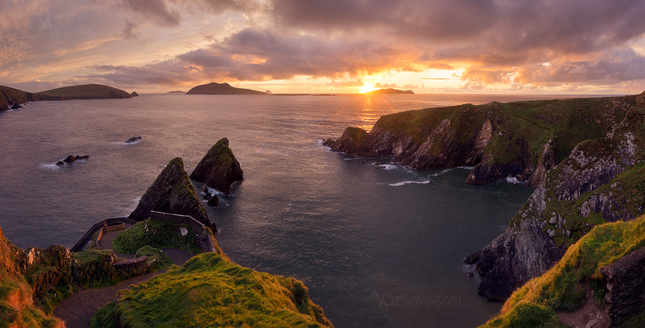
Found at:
[513, 180]
[465, 167]
[442, 172]
[403, 183]
[50, 166]
[388, 166]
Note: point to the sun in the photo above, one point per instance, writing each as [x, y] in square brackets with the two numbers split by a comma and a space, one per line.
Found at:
[367, 87]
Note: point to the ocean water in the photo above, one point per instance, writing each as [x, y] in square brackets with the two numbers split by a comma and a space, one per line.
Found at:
[377, 246]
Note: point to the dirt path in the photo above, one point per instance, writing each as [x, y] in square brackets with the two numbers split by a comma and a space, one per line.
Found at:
[77, 311]
[589, 316]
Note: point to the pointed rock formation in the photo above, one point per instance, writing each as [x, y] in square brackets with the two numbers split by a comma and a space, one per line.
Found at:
[219, 168]
[171, 192]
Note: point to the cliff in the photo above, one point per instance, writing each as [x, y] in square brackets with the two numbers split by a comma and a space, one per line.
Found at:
[12, 97]
[211, 291]
[520, 139]
[87, 91]
[221, 89]
[171, 192]
[600, 181]
[604, 265]
[218, 169]
[390, 91]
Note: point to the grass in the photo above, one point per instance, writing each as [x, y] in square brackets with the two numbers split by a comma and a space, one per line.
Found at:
[210, 291]
[563, 286]
[156, 258]
[87, 91]
[158, 234]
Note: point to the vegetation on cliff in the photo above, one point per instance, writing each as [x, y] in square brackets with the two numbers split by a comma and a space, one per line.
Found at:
[16, 295]
[158, 234]
[563, 287]
[171, 192]
[211, 291]
[87, 91]
[14, 97]
[221, 89]
[218, 169]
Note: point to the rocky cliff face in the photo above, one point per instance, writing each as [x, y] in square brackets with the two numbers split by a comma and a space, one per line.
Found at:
[626, 285]
[218, 169]
[599, 182]
[171, 192]
[520, 139]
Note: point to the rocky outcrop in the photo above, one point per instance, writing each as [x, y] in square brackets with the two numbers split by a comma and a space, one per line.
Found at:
[520, 139]
[218, 169]
[133, 139]
[171, 192]
[601, 181]
[134, 94]
[626, 285]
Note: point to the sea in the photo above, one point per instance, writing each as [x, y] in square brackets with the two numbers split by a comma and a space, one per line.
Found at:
[377, 245]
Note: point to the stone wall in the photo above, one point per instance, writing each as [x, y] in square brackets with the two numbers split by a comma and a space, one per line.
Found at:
[206, 244]
[88, 235]
[626, 285]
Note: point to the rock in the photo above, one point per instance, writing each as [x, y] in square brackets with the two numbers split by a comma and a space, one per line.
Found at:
[591, 323]
[473, 258]
[69, 159]
[16, 106]
[134, 94]
[626, 283]
[77, 157]
[60, 163]
[218, 169]
[133, 139]
[171, 192]
[214, 201]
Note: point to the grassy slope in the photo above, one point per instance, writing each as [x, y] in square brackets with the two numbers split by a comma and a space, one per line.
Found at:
[211, 291]
[155, 233]
[524, 123]
[221, 89]
[87, 91]
[9, 96]
[563, 286]
[16, 306]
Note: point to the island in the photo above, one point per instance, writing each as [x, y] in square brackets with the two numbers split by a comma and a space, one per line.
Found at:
[390, 91]
[10, 97]
[176, 91]
[221, 89]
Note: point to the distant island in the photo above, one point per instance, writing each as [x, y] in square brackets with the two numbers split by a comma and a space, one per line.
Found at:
[176, 91]
[390, 91]
[221, 89]
[10, 97]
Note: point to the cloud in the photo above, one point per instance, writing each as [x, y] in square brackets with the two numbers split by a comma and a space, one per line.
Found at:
[128, 31]
[157, 10]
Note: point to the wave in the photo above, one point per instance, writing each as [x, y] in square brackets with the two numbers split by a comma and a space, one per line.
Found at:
[388, 166]
[403, 183]
[513, 180]
[50, 166]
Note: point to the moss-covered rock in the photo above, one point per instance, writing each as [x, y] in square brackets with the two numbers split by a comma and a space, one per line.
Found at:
[171, 192]
[563, 287]
[210, 291]
[218, 169]
[158, 234]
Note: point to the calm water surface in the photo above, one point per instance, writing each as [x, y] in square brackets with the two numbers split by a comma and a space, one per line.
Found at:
[376, 247]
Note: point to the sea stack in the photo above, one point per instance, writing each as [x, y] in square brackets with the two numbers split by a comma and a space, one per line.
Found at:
[171, 192]
[219, 168]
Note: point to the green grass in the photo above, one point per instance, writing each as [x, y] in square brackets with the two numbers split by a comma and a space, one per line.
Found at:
[156, 258]
[563, 286]
[210, 291]
[155, 233]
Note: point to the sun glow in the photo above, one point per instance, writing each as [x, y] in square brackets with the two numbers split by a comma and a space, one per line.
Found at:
[367, 87]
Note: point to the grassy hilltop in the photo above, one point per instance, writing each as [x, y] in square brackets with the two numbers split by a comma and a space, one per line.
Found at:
[87, 91]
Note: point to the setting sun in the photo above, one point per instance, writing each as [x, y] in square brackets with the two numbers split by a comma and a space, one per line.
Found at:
[367, 87]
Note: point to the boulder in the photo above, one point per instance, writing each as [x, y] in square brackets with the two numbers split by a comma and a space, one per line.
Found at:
[69, 159]
[213, 201]
[16, 106]
[60, 163]
[171, 192]
[218, 169]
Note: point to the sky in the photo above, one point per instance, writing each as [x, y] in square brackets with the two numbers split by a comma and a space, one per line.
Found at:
[327, 46]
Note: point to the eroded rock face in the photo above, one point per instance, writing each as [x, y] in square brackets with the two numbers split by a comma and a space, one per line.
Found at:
[626, 285]
[218, 169]
[171, 192]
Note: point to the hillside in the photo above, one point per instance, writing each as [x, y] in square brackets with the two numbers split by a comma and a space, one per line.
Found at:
[87, 91]
[582, 272]
[390, 91]
[211, 291]
[10, 97]
[221, 89]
